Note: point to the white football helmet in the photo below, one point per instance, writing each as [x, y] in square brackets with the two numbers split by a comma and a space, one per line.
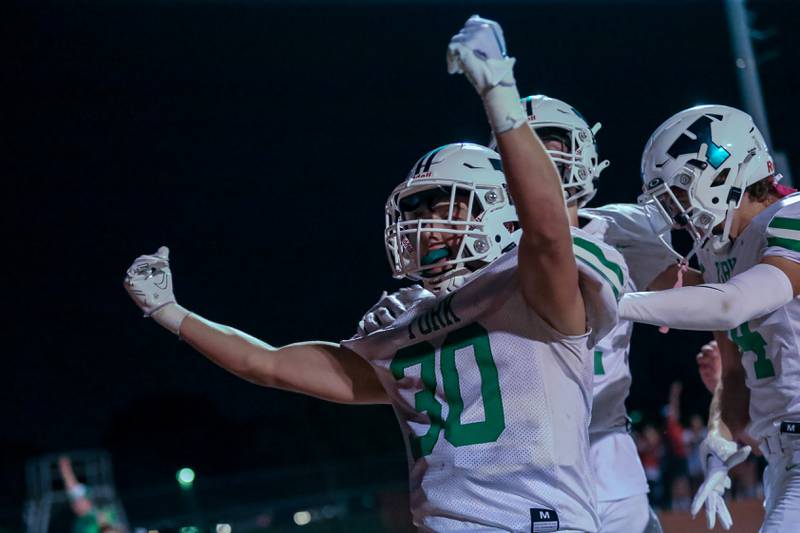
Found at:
[578, 166]
[428, 201]
[695, 168]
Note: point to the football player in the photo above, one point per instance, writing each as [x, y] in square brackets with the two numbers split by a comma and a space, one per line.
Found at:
[489, 366]
[619, 475]
[707, 170]
[620, 479]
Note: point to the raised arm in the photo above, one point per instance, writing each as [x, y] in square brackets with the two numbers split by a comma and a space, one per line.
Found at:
[547, 268]
[76, 491]
[320, 369]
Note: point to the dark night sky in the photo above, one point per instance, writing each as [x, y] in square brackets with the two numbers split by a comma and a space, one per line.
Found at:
[259, 141]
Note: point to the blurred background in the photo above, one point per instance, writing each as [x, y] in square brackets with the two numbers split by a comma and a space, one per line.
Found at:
[259, 140]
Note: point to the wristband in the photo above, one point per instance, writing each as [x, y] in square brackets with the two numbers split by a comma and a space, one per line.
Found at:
[171, 316]
[76, 492]
[503, 108]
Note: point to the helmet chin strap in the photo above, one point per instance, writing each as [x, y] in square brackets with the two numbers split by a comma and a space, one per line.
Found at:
[445, 286]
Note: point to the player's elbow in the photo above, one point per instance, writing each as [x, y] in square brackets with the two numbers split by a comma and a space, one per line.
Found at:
[729, 315]
[258, 368]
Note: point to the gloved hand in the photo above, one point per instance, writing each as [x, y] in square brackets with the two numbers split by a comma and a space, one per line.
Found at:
[718, 455]
[149, 283]
[390, 307]
[479, 52]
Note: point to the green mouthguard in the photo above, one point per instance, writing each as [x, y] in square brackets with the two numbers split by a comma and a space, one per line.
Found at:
[434, 255]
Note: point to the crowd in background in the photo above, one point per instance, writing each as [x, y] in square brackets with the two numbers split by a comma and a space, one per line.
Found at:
[670, 454]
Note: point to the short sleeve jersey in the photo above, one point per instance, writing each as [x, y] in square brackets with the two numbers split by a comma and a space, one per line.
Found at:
[493, 403]
[768, 344]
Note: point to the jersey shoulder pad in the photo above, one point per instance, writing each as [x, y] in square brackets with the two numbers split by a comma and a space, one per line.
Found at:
[600, 261]
[603, 277]
[630, 232]
[783, 229]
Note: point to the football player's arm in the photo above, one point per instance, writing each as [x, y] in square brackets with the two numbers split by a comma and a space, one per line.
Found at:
[548, 272]
[756, 292]
[324, 370]
[321, 369]
[718, 452]
[75, 489]
[734, 396]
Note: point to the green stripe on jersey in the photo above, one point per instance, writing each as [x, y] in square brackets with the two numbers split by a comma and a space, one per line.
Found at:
[593, 256]
[785, 223]
[786, 230]
[789, 244]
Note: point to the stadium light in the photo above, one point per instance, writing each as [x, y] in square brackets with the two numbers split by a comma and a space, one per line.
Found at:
[302, 518]
[185, 477]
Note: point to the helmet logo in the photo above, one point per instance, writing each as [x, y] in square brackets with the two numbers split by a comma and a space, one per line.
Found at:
[716, 155]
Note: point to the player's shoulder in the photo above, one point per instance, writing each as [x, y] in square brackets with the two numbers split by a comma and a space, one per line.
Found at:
[628, 229]
[781, 221]
[621, 213]
[599, 260]
[626, 223]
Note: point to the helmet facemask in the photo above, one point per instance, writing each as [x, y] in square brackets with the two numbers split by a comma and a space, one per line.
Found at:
[451, 216]
[576, 163]
[420, 221]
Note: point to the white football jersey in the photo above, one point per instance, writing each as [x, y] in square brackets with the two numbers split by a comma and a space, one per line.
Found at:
[619, 470]
[626, 228]
[493, 403]
[768, 344]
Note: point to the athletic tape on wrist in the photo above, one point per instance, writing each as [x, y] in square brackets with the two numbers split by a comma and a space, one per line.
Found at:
[504, 109]
[171, 316]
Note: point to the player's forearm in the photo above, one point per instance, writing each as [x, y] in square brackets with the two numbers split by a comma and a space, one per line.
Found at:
[319, 369]
[732, 397]
[67, 474]
[715, 423]
[734, 407]
[549, 275]
[235, 351]
[714, 306]
[536, 188]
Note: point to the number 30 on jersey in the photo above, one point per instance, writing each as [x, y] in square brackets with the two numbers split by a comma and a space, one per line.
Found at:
[456, 433]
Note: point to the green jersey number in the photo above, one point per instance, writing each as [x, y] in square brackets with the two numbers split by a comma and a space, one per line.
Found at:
[598, 363]
[749, 341]
[457, 433]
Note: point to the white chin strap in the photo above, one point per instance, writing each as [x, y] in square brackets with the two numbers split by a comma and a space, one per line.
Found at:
[447, 285]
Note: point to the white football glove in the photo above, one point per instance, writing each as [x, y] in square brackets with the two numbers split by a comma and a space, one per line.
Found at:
[479, 52]
[717, 455]
[390, 307]
[149, 283]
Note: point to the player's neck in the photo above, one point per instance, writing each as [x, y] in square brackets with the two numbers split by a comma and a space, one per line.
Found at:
[748, 211]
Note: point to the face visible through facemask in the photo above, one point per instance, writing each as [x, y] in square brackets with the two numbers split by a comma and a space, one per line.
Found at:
[441, 240]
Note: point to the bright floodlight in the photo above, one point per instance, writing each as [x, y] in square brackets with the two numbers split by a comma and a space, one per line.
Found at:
[185, 477]
[302, 518]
